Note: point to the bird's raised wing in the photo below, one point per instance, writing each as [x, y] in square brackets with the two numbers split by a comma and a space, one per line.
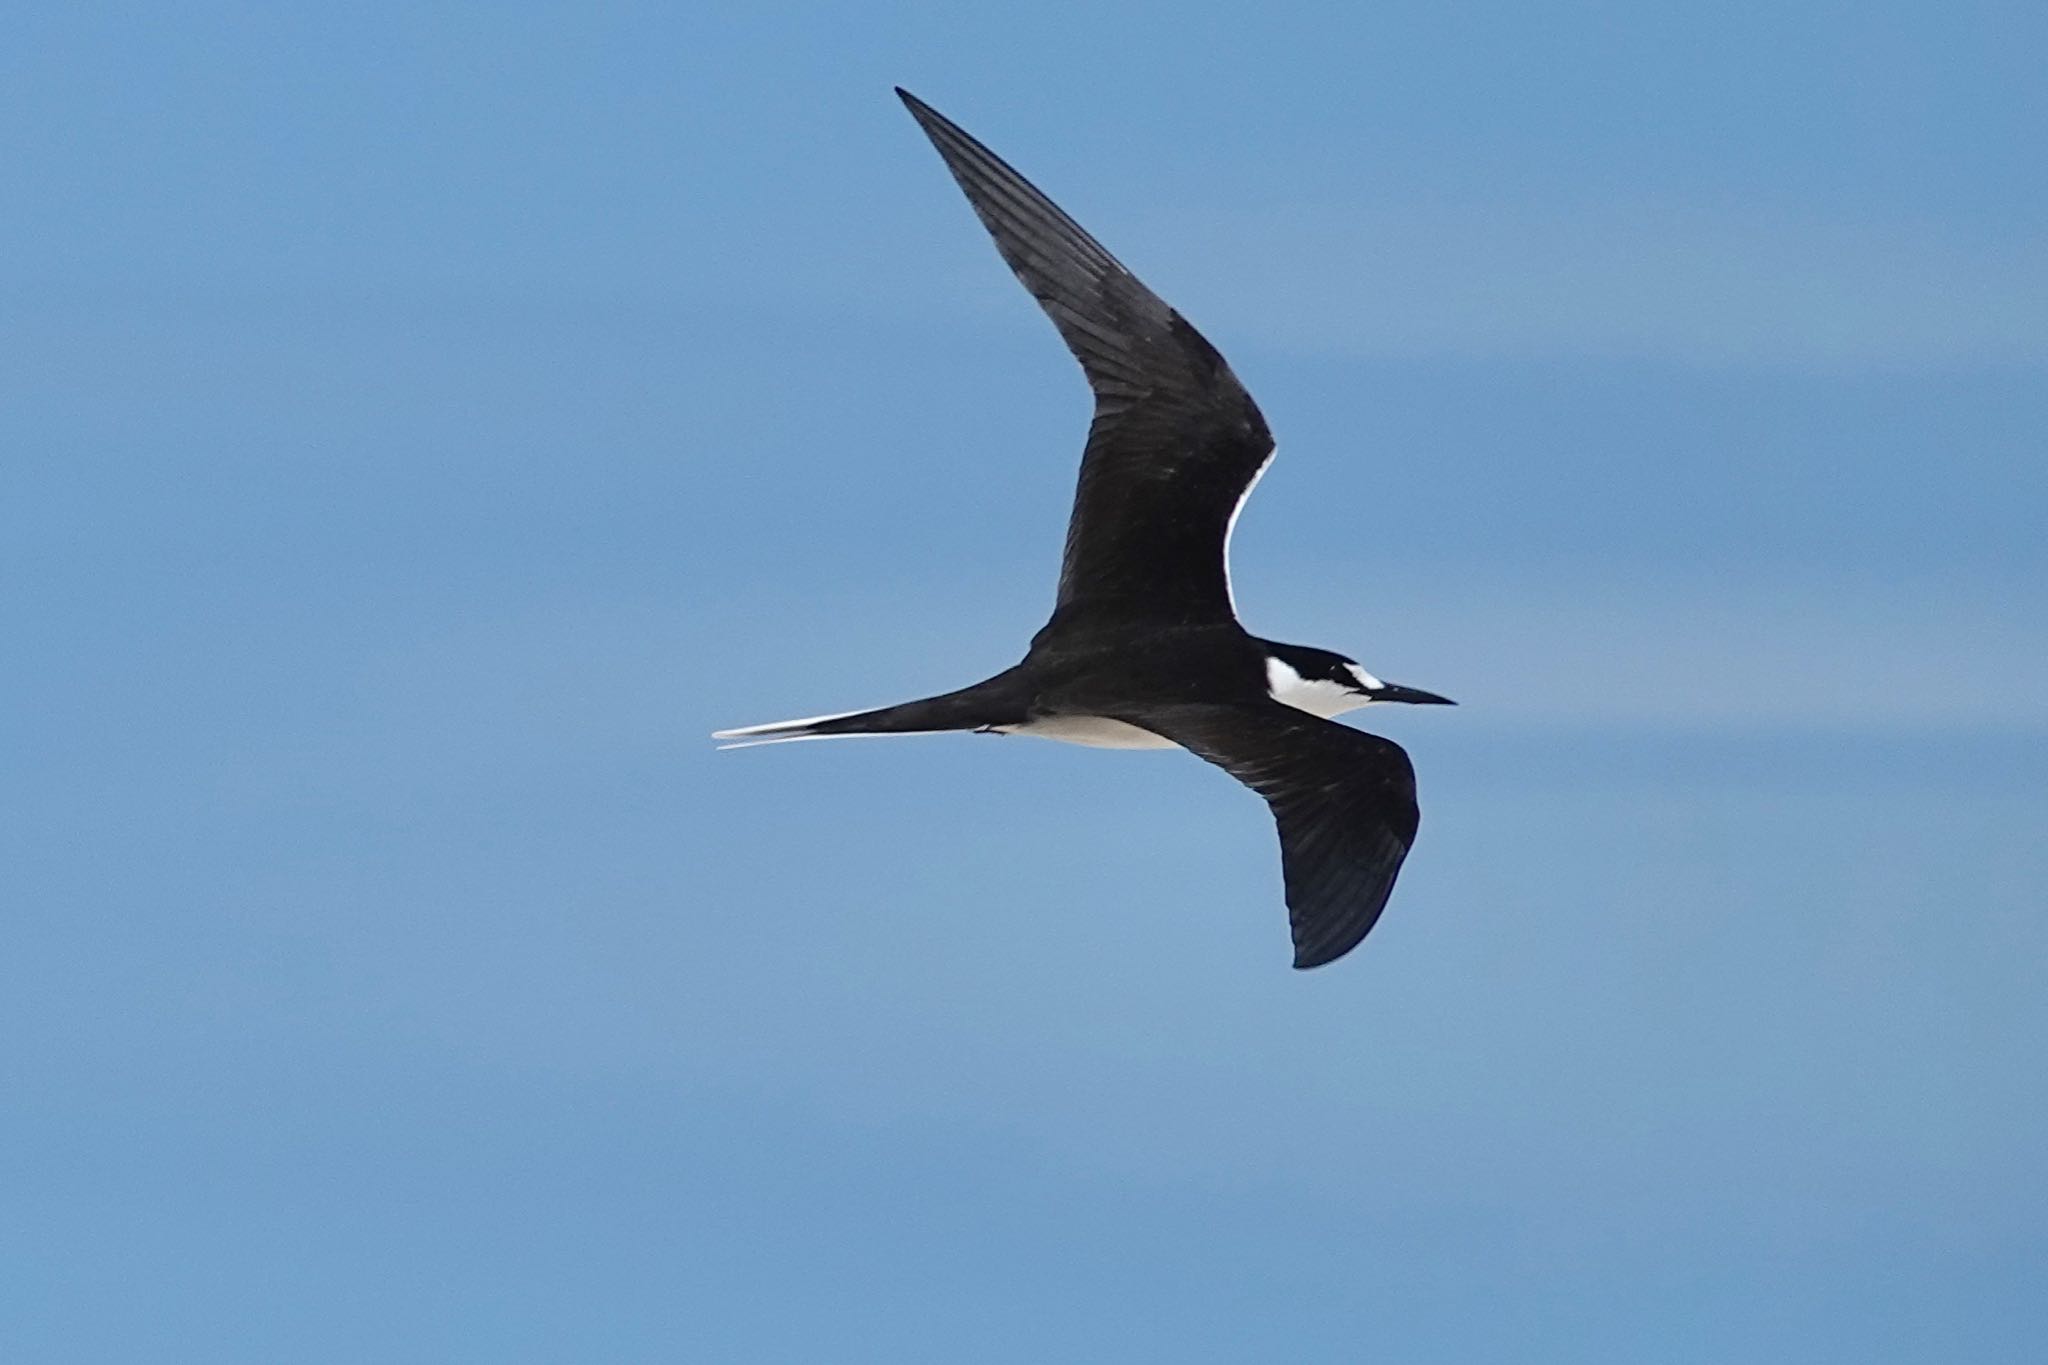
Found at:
[1176, 443]
[1344, 801]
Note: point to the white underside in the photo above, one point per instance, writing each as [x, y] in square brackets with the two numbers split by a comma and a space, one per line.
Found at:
[1316, 696]
[1097, 732]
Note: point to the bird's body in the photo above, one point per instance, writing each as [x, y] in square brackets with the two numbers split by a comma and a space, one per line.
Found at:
[1144, 649]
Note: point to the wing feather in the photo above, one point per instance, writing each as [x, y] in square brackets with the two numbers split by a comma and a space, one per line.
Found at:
[1176, 441]
[1343, 800]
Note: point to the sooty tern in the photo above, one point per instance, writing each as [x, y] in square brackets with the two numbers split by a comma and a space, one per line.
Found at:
[1144, 649]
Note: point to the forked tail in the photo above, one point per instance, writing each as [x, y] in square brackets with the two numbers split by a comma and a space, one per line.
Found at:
[994, 702]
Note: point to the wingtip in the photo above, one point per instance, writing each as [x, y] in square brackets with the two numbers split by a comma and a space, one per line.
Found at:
[1321, 950]
[1312, 950]
[934, 123]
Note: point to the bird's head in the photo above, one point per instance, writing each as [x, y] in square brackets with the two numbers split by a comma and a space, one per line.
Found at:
[1328, 684]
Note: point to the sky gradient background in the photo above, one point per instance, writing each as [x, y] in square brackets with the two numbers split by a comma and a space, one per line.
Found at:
[423, 424]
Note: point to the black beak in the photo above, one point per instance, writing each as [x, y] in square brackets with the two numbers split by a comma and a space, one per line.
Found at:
[1413, 695]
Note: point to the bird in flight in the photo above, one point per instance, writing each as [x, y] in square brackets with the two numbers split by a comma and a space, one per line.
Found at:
[1144, 649]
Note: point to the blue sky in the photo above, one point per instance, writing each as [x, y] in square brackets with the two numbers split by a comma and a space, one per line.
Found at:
[423, 424]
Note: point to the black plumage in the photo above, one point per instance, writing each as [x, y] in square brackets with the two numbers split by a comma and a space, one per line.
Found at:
[1175, 441]
[1144, 648]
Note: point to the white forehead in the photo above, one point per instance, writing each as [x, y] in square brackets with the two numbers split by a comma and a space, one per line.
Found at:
[1365, 679]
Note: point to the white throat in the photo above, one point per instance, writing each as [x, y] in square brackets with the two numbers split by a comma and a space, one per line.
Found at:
[1317, 696]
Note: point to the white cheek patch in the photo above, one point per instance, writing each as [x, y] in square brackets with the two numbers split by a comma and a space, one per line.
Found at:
[1281, 678]
[1317, 696]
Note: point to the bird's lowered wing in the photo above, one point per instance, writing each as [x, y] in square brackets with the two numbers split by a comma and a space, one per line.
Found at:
[1176, 442]
[1344, 801]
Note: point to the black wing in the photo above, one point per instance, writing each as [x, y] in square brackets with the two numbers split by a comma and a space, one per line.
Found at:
[1344, 801]
[1176, 442]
